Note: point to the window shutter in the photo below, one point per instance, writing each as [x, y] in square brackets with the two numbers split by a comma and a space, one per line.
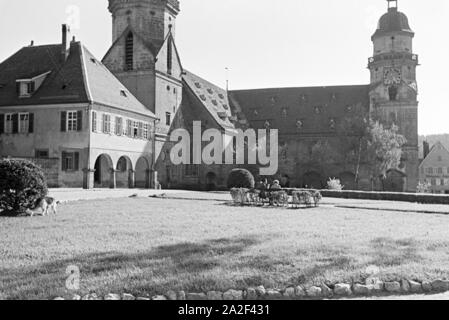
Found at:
[104, 123]
[63, 121]
[33, 86]
[129, 129]
[18, 88]
[15, 123]
[63, 164]
[77, 161]
[140, 130]
[79, 120]
[31, 123]
[94, 121]
[2, 123]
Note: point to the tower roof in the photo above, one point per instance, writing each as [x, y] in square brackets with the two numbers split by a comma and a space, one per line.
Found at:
[393, 21]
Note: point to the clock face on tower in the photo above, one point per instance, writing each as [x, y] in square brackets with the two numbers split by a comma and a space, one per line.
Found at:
[392, 76]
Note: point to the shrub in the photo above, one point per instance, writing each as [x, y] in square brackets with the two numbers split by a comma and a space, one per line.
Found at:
[22, 183]
[334, 184]
[240, 178]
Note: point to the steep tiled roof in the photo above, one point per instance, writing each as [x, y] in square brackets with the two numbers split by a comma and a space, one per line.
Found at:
[63, 84]
[80, 79]
[312, 110]
[212, 97]
[105, 88]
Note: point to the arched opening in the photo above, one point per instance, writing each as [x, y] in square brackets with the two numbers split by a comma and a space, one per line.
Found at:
[124, 175]
[347, 180]
[313, 180]
[211, 181]
[129, 51]
[103, 168]
[393, 93]
[142, 173]
[395, 181]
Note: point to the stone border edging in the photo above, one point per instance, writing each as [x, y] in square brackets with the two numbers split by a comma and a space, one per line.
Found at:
[341, 290]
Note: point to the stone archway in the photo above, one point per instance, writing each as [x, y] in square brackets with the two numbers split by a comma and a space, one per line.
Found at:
[124, 173]
[347, 180]
[395, 181]
[313, 180]
[142, 173]
[104, 175]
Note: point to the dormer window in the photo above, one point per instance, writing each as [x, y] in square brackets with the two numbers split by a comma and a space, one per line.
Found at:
[27, 87]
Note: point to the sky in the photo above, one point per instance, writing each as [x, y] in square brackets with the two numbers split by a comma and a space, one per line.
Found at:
[264, 43]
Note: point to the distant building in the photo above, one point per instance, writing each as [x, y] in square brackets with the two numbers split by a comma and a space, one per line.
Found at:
[434, 169]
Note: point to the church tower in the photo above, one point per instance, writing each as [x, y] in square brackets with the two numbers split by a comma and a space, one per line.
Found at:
[152, 19]
[394, 88]
[144, 57]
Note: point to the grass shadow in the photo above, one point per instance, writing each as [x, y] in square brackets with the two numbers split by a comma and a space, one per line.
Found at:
[147, 272]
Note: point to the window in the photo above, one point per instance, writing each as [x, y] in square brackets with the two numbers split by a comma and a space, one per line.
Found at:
[106, 123]
[135, 129]
[393, 93]
[442, 182]
[30, 86]
[129, 52]
[145, 131]
[8, 123]
[70, 161]
[433, 182]
[168, 118]
[429, 170]
[440, 170]
[118, 126]
[41, 154]
[24, 122]
[94, 121]
[72, 121]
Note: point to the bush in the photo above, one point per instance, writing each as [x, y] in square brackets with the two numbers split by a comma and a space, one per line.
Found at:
[22, 183]
[240, 178]
[334, 184]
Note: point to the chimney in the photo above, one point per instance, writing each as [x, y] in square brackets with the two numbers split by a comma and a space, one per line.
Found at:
[65, 42]
[426, 148]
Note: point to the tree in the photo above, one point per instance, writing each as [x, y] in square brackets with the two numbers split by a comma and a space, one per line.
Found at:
[367, 141]
[384, 150]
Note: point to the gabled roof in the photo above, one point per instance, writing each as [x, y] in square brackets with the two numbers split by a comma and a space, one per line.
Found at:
[80, 79]
[154, 45]
[63, 84]
[213, 98]
[103, 87]
[438, 149]
[309, 110]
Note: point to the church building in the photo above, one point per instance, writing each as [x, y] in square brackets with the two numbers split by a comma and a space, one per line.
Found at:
[107, 123]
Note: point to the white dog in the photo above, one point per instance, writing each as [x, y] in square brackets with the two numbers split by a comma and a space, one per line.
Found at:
[45, 205]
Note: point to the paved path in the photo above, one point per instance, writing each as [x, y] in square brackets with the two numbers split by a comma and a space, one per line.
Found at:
[65, 195]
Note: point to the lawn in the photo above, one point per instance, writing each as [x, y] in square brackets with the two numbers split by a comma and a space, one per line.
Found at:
[146, 246]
